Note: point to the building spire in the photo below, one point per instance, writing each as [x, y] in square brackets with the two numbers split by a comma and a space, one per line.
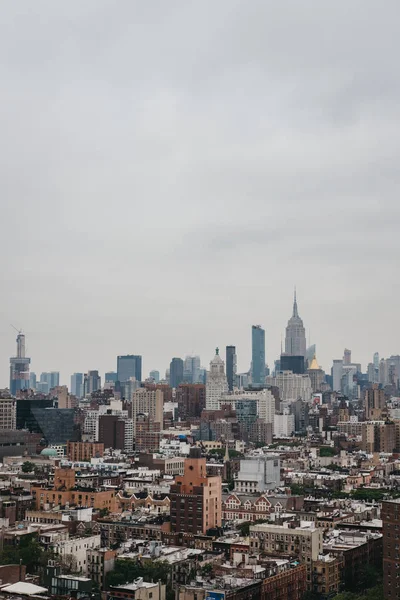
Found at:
[295, 313]
[226, 457]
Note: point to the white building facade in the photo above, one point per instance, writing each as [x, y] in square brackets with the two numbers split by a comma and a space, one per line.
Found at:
[74, 551]
[258, 474]
[283, 425]
[292, 385]
[217, 383]
[264, 398]
[8, 413]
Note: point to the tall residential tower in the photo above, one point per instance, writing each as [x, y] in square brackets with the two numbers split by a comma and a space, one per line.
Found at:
[231, 366]
[19, 367]
[257, 356]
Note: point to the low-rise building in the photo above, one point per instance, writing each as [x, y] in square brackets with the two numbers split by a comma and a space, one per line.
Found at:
[287, 584]
[65, 491]
[327, 576]
[255, 507]
[72, 552]
[99, 562]
[138, 590]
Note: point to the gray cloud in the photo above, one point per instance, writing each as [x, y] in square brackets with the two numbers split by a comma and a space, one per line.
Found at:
[169, 171]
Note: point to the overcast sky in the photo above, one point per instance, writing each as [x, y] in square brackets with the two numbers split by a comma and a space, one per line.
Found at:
[169, 170]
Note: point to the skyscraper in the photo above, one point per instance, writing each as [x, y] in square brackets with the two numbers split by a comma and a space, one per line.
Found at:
[310, 353]
[216, 383]
[91, 382]
[129, 365]
[49, 381]
[19, 367]
[258, 355]
[295, 340]
[155, 375]
[110, 377]
[347, 357]
[77, 384]
[175, 372]
[337, 373]
[231, 366]
[32, 380]
[192, 369]
[316, 374]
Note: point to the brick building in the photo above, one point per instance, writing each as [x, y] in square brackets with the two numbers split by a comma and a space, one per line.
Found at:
[358, 549]
[195, 498]
[191, 398]
[256, 507]
[112, 431]
[391, 555]
[66, 491]
[289, 584]
[326, 576]
[84, 451]
[148, 434]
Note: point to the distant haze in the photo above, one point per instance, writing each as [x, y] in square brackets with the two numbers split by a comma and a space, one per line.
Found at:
[169, 170]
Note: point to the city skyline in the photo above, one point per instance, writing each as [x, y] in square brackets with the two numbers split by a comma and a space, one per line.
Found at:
[65, 378]
[233, 167]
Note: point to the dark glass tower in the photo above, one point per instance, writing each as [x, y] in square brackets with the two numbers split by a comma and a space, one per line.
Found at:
[231, 366]
[175, 372]
[129, 365]
[257, 355]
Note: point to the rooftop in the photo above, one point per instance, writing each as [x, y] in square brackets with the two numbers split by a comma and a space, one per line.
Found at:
[23, 588]
[137, 584]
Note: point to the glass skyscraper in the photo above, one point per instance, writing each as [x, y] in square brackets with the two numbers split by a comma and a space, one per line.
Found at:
[77, 384]
[129, 365]
[231, 366]
[155, 375]
[175, 372]
[48, 381]
[19, 367]
[257, 355]
[111, 376]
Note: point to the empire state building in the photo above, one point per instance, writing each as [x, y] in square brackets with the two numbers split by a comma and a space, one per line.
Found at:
[295, 340]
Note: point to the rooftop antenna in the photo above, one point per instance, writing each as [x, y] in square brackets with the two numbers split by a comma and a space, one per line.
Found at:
[17, 330]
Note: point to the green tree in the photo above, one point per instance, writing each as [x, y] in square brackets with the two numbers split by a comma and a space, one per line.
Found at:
[206, 570]
[312, 596]
[368, 578]
[126, 571]
[27, 466]
[297, 490]
[326, 451]
[375, 593]
[29, 551]
[244, 528]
